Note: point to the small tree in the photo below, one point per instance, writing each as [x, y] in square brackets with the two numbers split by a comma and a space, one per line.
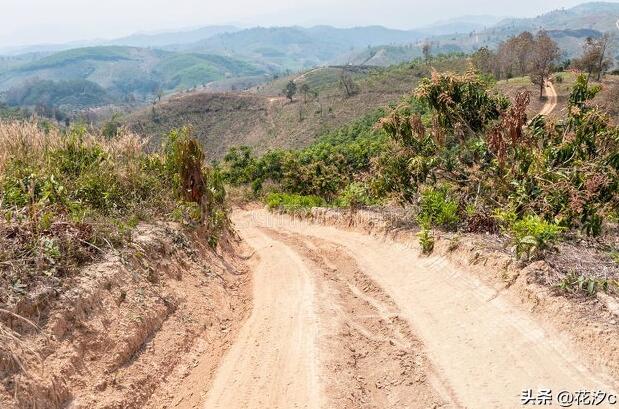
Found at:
[545, 54]
[348, 85]
[523, 45]
[305, 90]
[290, 90]
[594, 58]
[111, 128]
[484, 60]
[426, 50]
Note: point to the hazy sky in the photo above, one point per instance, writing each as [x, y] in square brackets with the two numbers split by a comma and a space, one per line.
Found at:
[53, 21]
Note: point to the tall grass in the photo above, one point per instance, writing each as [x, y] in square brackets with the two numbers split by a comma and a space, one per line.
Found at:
[68, 197]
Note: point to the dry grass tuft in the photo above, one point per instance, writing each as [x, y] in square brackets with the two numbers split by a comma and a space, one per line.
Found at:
[14, 351]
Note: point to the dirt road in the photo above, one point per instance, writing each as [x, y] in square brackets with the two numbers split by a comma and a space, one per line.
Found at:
[345, 320]
[273, 364]
[551, 103]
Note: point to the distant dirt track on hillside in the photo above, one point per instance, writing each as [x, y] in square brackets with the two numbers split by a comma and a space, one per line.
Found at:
[551, 103]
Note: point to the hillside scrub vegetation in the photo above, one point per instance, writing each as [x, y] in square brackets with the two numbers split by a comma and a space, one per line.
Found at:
[263, 118]
[61, 94]
[66, 198]
[469, 159]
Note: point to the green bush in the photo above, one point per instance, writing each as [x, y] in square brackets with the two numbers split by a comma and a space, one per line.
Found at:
[532, 235]
[293, 202]
[355, 195]
[437, 208]
[323, 169]
[426, 240]
[573, 283]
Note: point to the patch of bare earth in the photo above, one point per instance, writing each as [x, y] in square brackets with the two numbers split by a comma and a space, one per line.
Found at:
[370, 356]
[473, 329]
[591, 324]
[125, 332]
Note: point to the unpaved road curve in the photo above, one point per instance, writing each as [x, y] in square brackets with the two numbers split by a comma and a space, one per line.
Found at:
[551, 104]
[336, 320]
[273, 363]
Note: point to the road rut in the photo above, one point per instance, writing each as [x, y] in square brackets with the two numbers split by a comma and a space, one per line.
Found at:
[346, 320]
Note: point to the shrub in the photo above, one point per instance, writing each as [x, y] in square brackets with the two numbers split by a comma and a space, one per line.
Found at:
[215, 207]
[532, 235]
[460, 101]
[355, 195]
[293, 202]
[426, 240]
[66, 196]
[184, 160]
[437, 208]
[573, 283]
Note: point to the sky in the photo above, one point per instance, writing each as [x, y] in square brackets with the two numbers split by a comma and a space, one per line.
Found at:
[25, 22]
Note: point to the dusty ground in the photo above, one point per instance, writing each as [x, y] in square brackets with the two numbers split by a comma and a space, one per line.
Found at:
[321, 334]
[344, 319]
[344, 313]
[127, 330]
[551, 100]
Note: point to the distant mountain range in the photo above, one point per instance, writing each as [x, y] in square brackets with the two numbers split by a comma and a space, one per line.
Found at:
[147, 40]
[143, 64]
[296, 48]
[172, 38]
[568, 27]
[464, 24]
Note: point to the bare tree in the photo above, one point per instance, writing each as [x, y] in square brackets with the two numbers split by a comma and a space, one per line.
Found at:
[594, 59]
[306, 91]
[545, 54]
[347, 84]
[426, 50]
[514, 55]
[523, 47]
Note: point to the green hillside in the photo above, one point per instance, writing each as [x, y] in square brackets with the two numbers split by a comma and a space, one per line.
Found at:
[599, 16]
[77, 56]
[122, 72]
[298, 48]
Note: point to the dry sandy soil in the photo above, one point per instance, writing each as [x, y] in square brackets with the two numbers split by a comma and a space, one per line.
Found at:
[551, 102]
[343, 319]
[127, 331]
[345, 313]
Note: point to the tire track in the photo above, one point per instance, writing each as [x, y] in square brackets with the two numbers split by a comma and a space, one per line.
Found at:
[484, 349]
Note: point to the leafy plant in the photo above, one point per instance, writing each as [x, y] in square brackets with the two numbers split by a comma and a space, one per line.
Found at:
[574, 283]
[437, 208]
[532, 235]
[355, 195]
[426, 240]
